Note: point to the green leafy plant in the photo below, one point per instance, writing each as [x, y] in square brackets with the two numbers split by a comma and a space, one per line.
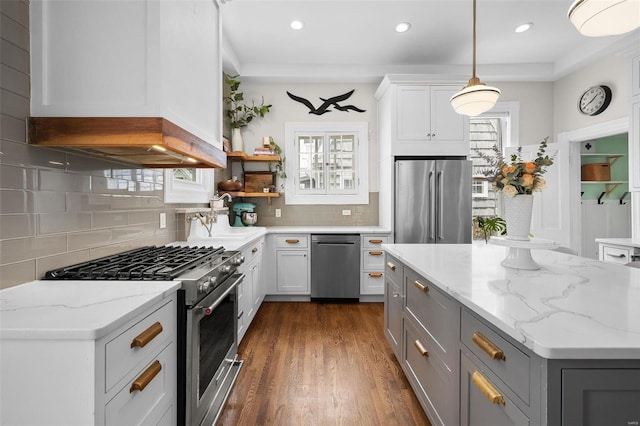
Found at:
[490, 225]
[239, 113]
[279, 166]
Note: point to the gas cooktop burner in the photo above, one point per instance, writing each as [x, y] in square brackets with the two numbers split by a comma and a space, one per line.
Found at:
[146, 263]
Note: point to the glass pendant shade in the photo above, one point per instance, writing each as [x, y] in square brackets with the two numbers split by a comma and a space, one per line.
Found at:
[595, 18]
[475, 98]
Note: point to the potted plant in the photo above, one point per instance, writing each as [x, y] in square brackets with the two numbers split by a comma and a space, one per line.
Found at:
[280, 171]
[240, 114]
[490, 225]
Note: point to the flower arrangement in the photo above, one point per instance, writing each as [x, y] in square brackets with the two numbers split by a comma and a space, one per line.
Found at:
[517, 176]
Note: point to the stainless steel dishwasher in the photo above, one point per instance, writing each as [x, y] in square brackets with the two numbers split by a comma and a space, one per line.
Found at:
[335, 267]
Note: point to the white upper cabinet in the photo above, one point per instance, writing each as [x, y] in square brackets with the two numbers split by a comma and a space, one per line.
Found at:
[146, 58]
[422, 120]
[634, 131]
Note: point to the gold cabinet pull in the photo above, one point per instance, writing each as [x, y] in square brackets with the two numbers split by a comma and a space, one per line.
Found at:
[375, 274]
[488, 346]
[254, 250]
[375, 253]
[375, 241]
[146, 336]
[146, 377]
[487, 388]
[391, 266]
[292, 241]
[420, 286]
[423, 351]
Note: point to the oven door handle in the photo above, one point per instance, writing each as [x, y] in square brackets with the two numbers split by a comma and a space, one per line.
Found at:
[209, 309]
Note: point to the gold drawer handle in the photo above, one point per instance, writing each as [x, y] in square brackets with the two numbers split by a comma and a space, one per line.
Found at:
[375, 241]
[254, 250]
[391, 266]
[292, 241]
[487, 388]
[420, 286]
[146, 336]
[423, 351]
[146, 377]
[375, 253]
[375, 274]
[488, 346]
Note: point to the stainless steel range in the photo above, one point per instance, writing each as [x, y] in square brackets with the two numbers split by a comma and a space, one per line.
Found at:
[207, 316]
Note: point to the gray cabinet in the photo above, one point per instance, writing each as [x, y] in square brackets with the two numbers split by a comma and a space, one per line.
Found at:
[483, 400]
[393, 304]
[592, 397]
[464, 370]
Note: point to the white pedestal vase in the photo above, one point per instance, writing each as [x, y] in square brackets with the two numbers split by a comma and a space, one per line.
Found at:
[236, 140]
[517, 215]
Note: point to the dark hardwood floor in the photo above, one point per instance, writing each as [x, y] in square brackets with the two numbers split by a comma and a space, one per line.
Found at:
[320, 364]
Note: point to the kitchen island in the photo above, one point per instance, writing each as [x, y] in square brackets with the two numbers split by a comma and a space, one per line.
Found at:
[518, 347]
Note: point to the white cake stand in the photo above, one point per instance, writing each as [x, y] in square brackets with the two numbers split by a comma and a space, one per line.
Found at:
[519, 256]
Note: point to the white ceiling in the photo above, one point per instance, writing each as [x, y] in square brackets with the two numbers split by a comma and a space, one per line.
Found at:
[354, 40]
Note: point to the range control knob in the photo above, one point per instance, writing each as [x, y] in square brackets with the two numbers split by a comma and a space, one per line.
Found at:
[225, 269]
[204, 286]
[237, 261]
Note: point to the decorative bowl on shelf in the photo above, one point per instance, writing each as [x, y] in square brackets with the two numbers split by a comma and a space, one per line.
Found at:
[230, 185]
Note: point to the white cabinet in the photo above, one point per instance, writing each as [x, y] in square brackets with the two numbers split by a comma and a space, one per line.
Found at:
[372, 264]
[251, 290]
[618, 250]
[292, 264]
[144, 58]
[422, 119]
[126, 377]
[634, 146]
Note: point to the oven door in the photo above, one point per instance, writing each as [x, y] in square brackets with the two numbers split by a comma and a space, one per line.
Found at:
[212, 346]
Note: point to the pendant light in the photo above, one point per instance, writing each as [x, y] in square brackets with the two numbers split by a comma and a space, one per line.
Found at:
[595, 18]
[476, 97]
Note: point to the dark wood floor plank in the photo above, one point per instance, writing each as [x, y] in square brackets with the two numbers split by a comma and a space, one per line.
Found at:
[320, 364]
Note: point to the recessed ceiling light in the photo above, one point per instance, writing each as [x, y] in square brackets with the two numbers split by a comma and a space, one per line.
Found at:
[403, 27]
[296, 25]
[524, 27]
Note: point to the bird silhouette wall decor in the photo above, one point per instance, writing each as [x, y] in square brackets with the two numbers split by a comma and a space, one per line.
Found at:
[327, 103]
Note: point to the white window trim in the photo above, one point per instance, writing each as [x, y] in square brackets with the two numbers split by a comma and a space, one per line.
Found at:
[179, 191]
[362, 169]
[485, 189]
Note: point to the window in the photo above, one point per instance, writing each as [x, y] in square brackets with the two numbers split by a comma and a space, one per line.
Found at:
[480, 188]
[327, 163]
[188, 185]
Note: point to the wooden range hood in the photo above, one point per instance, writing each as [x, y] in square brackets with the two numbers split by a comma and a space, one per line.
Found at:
[149, 142]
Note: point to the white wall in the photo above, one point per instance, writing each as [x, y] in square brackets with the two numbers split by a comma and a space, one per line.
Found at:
[536, 112]
[287, 110]
[612, 71]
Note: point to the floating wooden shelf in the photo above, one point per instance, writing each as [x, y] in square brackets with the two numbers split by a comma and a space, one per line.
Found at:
[243, 156]
[254, 194]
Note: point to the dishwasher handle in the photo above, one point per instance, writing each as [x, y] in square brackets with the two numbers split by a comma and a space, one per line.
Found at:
[334, 243]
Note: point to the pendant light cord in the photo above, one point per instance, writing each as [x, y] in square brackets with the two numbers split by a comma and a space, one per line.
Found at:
[474, 40]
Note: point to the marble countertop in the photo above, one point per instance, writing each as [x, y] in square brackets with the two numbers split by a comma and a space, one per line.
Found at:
[627, 242]
[327, 230]
[75, 310]
[572, 308]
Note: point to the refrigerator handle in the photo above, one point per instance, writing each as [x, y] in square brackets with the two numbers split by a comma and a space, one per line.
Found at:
[439, 209]
[432, 207]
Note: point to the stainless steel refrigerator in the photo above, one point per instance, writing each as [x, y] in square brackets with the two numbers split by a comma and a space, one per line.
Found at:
[432, 201]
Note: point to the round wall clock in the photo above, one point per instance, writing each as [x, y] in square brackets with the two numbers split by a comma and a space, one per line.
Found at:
[594, 100]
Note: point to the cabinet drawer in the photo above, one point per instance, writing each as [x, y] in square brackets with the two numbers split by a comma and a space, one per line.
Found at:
[373, 259]
[434, 378]
[393, 269]
[482, 400]
[152, 404]
[433, 310]
[374, 241]
[617, 254]
[507, 362]
[292, 241]
[372, 283]
[151, 332]
[252, 251]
